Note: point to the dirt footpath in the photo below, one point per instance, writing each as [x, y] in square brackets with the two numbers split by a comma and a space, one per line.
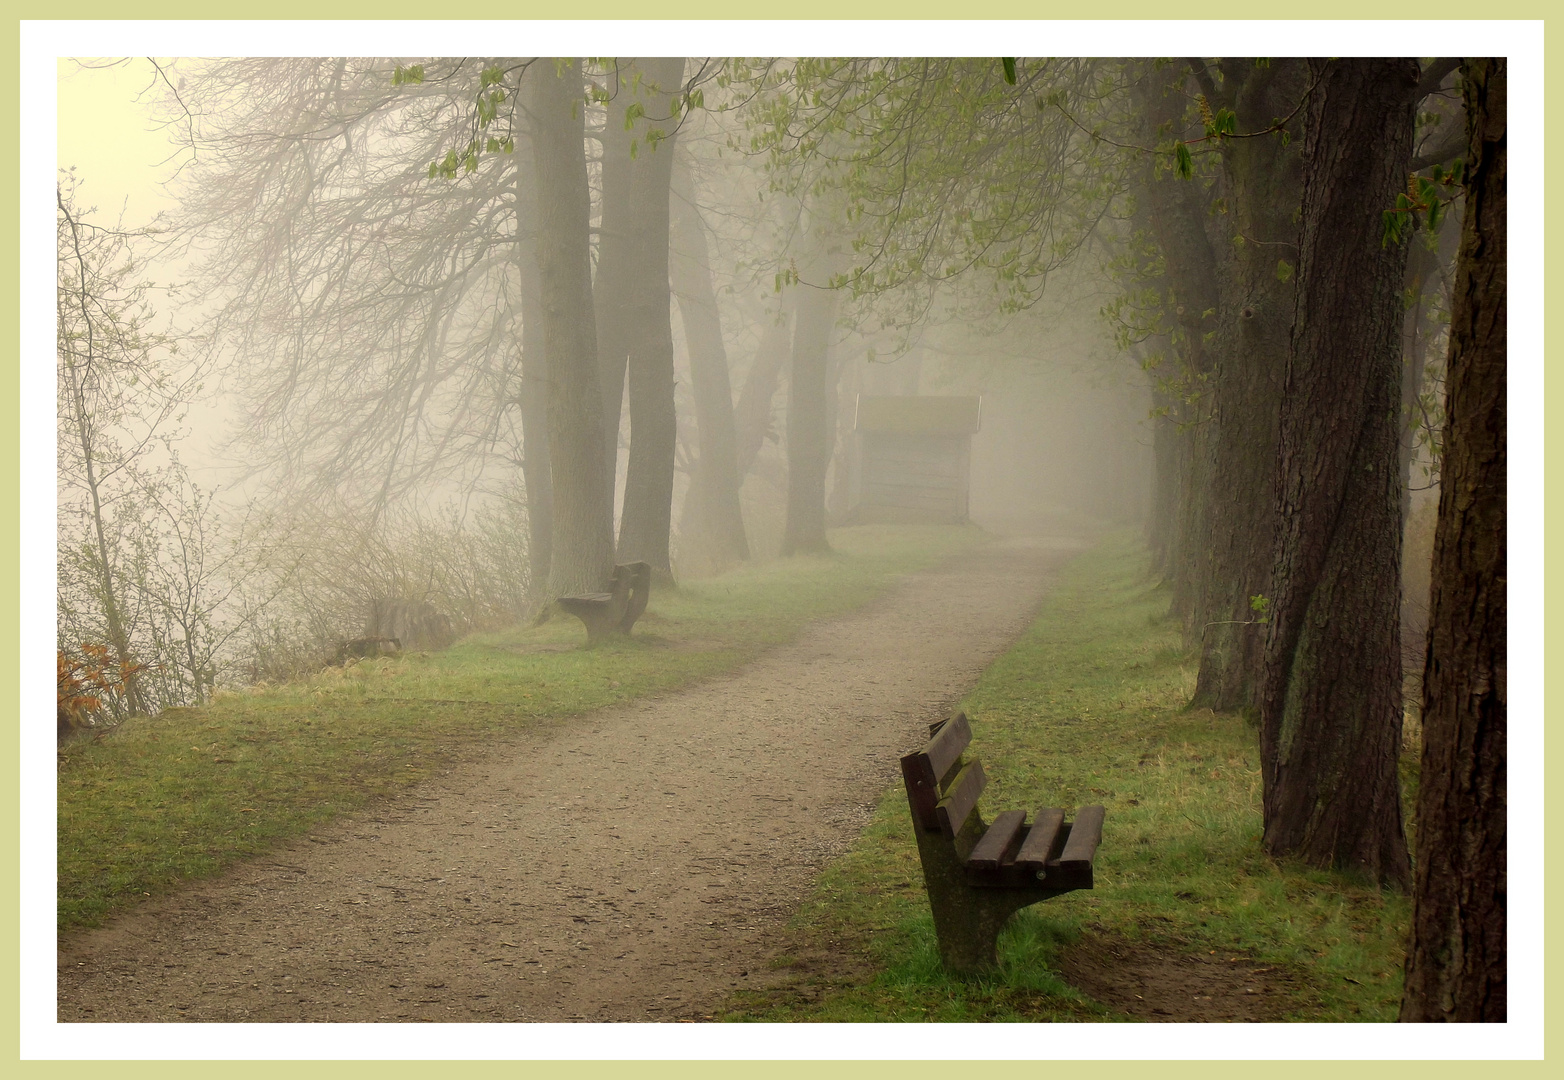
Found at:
[634, 865]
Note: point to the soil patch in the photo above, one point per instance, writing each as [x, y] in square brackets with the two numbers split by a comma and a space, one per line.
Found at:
[638, 863]
[1167, 983]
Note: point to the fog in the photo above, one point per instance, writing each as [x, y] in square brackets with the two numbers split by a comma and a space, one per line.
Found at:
[364, 355]
[351, 422]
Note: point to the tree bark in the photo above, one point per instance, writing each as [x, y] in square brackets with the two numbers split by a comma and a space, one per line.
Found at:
[809, 433]
[1261, 190]
[532, 394]
[614, 281]
[583, 535]
[648, 507]
[712, 504]
[1456, 963]
[1330, 709]
[1175, 213]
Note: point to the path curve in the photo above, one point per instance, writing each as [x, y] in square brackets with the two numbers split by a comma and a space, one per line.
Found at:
[636, 864]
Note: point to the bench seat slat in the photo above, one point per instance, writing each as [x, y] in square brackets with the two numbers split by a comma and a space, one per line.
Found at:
[1085, 835]
[990, 851]
[1042, 838]
[960, 797]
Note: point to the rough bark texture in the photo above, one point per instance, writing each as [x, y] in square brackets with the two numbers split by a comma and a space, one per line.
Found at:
[1260, 190]
[648, 507]
[1456, 964]
[712, 517]
[583, 540]
[809, 432]
[532, 394]
[1331, 702]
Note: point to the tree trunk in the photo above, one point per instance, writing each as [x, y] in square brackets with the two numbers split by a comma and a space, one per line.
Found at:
[648, 508]
[583, 537]
[1175, 213]
[532, 395]
[1330, 717]
[847, 380]
[712, 504]
[809, 433]
[1456, 962]
[752, 414]
[654, 427]
[613, 285]
[1261, 190]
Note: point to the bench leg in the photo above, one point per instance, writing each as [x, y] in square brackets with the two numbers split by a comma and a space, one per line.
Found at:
[967, 919]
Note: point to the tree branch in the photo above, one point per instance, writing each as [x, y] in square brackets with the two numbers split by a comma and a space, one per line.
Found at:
[1434, 75]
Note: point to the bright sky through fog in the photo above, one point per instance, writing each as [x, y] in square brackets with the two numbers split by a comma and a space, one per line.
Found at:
[112, 139]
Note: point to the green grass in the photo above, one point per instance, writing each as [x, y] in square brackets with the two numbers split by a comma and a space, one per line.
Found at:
[188, 793]
[1088, 708]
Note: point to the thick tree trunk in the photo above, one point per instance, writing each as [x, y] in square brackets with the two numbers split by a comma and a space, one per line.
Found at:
[583, 537]
[1253, 323]
[752, 414]
[809, 433]
[1456, 964]
[648, 508]
[614, 281]
[1330, 727]
[712, 504]
[532, 395]
[1176, 213]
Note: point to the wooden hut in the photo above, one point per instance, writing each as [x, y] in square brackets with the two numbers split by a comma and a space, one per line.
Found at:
[913, 459]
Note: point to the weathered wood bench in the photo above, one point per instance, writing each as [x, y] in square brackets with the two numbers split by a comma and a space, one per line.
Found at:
[979, 875]
[615, 610]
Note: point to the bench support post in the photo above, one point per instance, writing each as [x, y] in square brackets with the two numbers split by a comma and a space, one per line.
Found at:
[612, 613]
[967, 918]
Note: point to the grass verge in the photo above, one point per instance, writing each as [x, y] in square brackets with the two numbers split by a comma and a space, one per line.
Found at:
[188, 793]
[1088, 708]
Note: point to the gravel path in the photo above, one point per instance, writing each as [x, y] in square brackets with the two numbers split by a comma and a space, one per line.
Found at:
[636, 864]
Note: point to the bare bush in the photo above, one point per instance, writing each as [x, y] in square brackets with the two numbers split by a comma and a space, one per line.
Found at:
[425, 579]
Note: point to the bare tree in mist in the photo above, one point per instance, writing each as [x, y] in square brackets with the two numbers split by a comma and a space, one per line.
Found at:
[372, 316]
[712, 504]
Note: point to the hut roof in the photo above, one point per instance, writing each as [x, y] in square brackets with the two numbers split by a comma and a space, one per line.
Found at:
[919, 415]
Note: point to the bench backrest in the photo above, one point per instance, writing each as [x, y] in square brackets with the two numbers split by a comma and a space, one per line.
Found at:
[942, 789]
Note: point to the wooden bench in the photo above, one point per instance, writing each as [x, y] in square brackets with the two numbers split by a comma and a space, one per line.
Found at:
[615, 610]
[979, 875]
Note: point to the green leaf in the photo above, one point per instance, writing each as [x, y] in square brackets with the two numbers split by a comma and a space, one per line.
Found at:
[1010, 69]
[1283, 270]
[1183, 163]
